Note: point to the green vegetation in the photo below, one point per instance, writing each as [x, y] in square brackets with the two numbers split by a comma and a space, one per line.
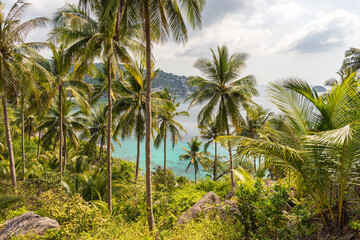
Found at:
[288, 176]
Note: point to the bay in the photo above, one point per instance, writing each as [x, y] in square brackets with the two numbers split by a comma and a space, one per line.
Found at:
[127, 150]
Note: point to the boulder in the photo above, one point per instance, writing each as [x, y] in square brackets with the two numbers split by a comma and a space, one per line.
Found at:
[230, 194]
[210, 199]
[269, 183]
[29, 222]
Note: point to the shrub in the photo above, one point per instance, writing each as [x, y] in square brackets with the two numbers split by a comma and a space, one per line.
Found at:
[161, 181]
[182, 180]
[73, 213]
[221, 187]
[263, 211]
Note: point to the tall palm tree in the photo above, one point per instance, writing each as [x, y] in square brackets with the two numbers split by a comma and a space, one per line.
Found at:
[210, 133]
[158, 19]
[34, 101]
[194, 155]
[223, 90]
[66, 84]
[160, 25]
[131, 106]
[168, 124]
[29, 129]
[95, 38]
[15, 59]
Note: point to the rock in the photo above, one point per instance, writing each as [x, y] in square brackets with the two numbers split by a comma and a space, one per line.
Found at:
[269, 183]
[230, 194]
[29, 222]
[210, 199]
[231, 205]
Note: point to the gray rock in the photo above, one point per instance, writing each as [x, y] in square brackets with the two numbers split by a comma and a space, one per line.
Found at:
[210, 199]
[230, 194]
[269, 183]
[27, 223]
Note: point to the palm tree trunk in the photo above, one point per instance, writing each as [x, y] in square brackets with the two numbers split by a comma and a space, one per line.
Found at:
[137, 159]
[151, 221]
[230, 155]
[101, 150]
[108, 146]
[38, 149]
[22, 137]
[9, 143]
[215, 162]
[254, 165]
[60, 131]
[165, 153]
[30, 131]
[64, 162]
[118, 19]
[195, 177]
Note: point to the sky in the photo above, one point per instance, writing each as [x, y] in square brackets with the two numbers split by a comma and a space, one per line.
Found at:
[306, 39]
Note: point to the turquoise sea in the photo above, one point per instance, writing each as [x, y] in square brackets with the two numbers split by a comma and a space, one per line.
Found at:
[127, 150]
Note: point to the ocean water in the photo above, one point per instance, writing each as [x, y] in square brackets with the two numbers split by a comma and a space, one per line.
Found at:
[127, 150]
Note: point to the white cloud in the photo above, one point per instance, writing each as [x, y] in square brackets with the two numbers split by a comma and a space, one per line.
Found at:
[275, 33]
[286, 11]
[331, 30]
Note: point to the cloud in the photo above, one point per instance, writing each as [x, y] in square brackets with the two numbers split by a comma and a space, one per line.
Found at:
[275, 11]
[323, 34]
[215, 9]
[286, 11]
[40, 8]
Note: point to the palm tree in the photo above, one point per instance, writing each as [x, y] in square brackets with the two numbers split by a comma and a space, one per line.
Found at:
[66, 83]
[160, 25]
[210, 133]
[29, 129]
[255, 121]
[15, 59]
[158, 20]
[34, 102]
[223, 91]
[131, 106]
[97, 129]
[325, 146]
[72, 122]
[352, 59]
[168, 124]
[194, 155]
[90, 39]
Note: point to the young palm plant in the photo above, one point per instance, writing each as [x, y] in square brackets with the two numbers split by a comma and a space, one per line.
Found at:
[325, 151]
[223, 91]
